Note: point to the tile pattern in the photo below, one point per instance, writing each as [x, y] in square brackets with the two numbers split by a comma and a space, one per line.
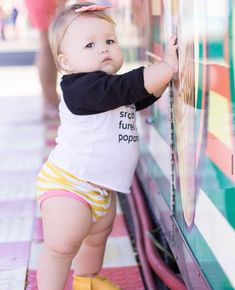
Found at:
[21, 143]
[25, 141]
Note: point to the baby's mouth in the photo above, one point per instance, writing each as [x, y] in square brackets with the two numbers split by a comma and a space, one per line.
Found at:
[106, 59]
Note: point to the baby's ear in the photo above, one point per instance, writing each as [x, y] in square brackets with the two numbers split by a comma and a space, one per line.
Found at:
[64, 63]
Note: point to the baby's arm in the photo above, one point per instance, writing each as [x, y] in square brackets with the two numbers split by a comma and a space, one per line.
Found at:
[159, 91]
[157, 76]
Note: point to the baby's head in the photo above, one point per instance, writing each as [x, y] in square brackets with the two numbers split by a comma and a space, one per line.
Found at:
[83, 39]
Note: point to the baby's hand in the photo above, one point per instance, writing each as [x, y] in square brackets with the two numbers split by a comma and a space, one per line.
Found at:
[170, 56]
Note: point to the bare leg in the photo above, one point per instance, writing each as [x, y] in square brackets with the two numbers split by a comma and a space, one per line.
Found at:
[66, 223]
[89, 258]
[47, 72]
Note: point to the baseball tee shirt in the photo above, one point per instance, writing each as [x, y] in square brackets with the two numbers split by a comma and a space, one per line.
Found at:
[97, 140]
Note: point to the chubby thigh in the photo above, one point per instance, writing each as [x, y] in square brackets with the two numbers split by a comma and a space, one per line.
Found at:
[94, 244]
[106, 222]
[68, 222]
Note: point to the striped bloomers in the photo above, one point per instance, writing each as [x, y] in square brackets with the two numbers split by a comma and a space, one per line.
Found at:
[54, 181]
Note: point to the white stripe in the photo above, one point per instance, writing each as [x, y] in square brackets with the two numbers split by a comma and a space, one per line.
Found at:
[161, 152]
[13, 279]
[118, 207]
[118, 253]
[218, 234]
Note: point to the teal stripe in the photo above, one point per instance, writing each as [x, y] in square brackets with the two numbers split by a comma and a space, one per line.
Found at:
[201, 57]
[219, 188]
[199, 90]
[198, 246]
[231, 32]
[157, 29]
[161, 121]
[215, 50]
[209, 265]
[155, 172]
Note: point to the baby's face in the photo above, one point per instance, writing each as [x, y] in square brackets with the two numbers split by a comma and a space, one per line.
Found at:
[90, 44]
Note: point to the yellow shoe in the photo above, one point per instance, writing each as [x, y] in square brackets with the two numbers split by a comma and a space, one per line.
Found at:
[96, 282]
[102, 283]
[82, 283]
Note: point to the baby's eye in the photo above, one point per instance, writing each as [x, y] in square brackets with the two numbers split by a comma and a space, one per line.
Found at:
[110, 41]
[90, 45]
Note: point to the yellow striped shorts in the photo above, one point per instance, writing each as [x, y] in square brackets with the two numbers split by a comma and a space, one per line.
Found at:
[54, 181]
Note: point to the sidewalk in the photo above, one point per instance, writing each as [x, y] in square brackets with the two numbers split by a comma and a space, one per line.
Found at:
[25, 141]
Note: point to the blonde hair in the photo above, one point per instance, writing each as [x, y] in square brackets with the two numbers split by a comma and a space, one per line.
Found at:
[62, 21]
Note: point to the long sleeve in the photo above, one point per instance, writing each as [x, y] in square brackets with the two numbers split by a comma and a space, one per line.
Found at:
[96, 92]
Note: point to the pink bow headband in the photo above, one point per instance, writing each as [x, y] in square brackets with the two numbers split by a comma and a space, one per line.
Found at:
[79, 11]
[91, 8]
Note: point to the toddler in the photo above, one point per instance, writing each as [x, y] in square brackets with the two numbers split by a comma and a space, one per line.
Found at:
[97, 144]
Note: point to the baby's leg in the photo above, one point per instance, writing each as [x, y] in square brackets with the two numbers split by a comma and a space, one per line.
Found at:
[89, 258]
[66, 222]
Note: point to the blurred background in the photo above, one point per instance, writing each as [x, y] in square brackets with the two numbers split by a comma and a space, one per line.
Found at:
[187, 141]
[16, 30]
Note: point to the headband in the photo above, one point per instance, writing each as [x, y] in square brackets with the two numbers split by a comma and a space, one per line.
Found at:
[91, 8]
[81, 10]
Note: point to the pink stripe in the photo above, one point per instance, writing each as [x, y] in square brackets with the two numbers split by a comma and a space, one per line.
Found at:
[63, 193]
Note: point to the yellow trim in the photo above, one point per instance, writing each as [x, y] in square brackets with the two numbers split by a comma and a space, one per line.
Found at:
[56, 176]
[58, 169]
[56, 179]
[57, 172]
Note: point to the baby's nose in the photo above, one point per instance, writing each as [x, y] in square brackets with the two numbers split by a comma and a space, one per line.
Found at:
[104, 49]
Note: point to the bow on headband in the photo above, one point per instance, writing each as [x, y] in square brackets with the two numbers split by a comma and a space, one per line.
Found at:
[91, 8]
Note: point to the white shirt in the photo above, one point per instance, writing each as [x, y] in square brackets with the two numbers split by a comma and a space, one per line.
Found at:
[100, 148]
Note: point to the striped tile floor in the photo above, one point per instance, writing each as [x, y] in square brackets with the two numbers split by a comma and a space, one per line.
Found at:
[25, 142]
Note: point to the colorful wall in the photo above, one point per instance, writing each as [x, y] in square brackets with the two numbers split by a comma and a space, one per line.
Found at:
[187, 147]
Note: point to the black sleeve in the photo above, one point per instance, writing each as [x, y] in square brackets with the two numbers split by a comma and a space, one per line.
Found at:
[96, 92]
[146, 102]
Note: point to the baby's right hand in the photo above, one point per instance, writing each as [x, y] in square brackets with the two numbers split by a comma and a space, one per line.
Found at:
[170, 56]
